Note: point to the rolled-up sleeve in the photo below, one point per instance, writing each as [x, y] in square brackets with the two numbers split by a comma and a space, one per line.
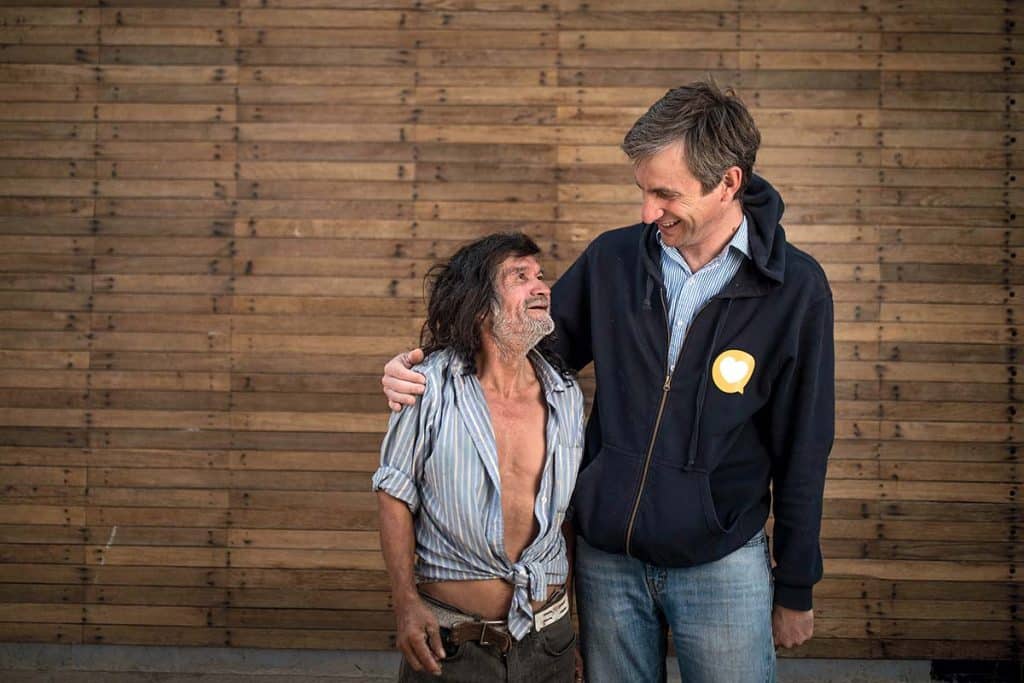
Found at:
[405, 446]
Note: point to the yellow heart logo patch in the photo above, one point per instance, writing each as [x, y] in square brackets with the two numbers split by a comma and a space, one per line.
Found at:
[732, 370]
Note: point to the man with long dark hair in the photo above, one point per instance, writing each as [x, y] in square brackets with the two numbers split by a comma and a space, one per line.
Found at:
[476, 476]
[711, 339]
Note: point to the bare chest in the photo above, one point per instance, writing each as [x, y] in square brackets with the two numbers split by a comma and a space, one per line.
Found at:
[519, 433]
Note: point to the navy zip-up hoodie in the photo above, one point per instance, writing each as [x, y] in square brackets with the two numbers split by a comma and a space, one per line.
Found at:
[678, 471]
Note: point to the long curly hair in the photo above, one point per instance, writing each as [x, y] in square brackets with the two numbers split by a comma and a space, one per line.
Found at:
[462, 293]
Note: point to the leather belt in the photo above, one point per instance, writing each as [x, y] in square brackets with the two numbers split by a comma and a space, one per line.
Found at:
[483, 632]
[496, 632]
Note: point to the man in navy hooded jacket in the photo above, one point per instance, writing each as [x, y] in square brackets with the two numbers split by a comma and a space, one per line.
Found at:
[712, 344]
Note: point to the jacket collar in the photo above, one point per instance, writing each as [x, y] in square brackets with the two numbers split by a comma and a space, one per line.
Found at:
[763, 271]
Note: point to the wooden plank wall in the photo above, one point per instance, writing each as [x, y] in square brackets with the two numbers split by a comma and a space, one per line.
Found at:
[215, 217]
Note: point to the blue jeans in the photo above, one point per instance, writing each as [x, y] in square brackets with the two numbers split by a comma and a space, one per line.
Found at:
[719, 614]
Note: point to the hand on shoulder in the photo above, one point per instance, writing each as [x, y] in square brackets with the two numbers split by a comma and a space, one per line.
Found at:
[400, 384]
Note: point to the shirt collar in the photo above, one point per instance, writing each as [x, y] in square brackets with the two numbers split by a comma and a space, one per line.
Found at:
[549, 378]
[547, 374]
[740, 242]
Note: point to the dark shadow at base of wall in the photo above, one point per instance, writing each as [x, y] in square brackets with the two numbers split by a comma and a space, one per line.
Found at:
[965, 671]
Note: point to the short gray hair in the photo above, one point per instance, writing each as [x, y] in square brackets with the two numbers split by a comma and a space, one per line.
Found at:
[715, 127]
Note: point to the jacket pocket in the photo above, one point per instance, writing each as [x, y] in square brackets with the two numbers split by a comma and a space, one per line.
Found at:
[710, 512]
[676, 522]
[604, 495]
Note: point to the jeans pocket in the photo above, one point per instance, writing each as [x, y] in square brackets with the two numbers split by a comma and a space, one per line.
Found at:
[452, 651]
[559, 638]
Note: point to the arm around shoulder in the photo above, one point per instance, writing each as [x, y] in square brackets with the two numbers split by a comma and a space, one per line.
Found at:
[401, 385]
[570, 308]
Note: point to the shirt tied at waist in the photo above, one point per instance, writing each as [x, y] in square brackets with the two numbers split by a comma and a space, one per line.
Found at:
[531, 584]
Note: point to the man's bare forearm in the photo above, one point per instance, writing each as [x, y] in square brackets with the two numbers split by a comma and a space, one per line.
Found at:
[417, 635]
[398, 542]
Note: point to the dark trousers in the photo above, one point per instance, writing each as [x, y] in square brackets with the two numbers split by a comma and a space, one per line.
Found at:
[540, 657]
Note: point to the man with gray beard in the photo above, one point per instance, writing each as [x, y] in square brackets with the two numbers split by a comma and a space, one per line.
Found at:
[476, 477]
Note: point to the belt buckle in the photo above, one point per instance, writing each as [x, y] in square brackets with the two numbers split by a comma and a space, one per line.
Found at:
[504, 644]
[552, 613]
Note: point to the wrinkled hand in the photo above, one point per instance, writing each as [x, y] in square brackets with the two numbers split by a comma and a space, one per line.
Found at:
[578, 657]
[418, 636]
[791, 627]
[402, 385]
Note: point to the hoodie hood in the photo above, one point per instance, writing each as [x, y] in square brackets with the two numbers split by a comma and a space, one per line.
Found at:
[763, 207]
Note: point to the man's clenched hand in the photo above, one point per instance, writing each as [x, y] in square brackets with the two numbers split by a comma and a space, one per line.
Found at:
[418, 636]
[791, 627]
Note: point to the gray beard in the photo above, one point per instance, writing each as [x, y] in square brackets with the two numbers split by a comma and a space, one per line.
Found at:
[514, 337]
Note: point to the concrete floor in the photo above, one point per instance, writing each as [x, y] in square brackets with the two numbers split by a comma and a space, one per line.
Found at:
[34, 663]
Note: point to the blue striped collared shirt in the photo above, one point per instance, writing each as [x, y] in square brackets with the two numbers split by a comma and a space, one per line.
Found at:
[441, 459]
[687, 292]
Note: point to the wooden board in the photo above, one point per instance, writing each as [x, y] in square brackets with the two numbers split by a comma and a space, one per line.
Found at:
[215, 223]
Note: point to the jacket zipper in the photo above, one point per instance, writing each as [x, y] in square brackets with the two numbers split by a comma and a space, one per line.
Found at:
[661, 409]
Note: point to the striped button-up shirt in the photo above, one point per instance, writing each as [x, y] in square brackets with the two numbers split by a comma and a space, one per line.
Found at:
[687, 292]
[440, 457]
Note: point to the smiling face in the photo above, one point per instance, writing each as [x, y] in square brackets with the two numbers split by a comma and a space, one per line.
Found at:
[674, 201]
[522, 315]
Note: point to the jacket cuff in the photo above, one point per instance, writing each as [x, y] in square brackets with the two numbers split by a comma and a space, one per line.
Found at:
[794, 597]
